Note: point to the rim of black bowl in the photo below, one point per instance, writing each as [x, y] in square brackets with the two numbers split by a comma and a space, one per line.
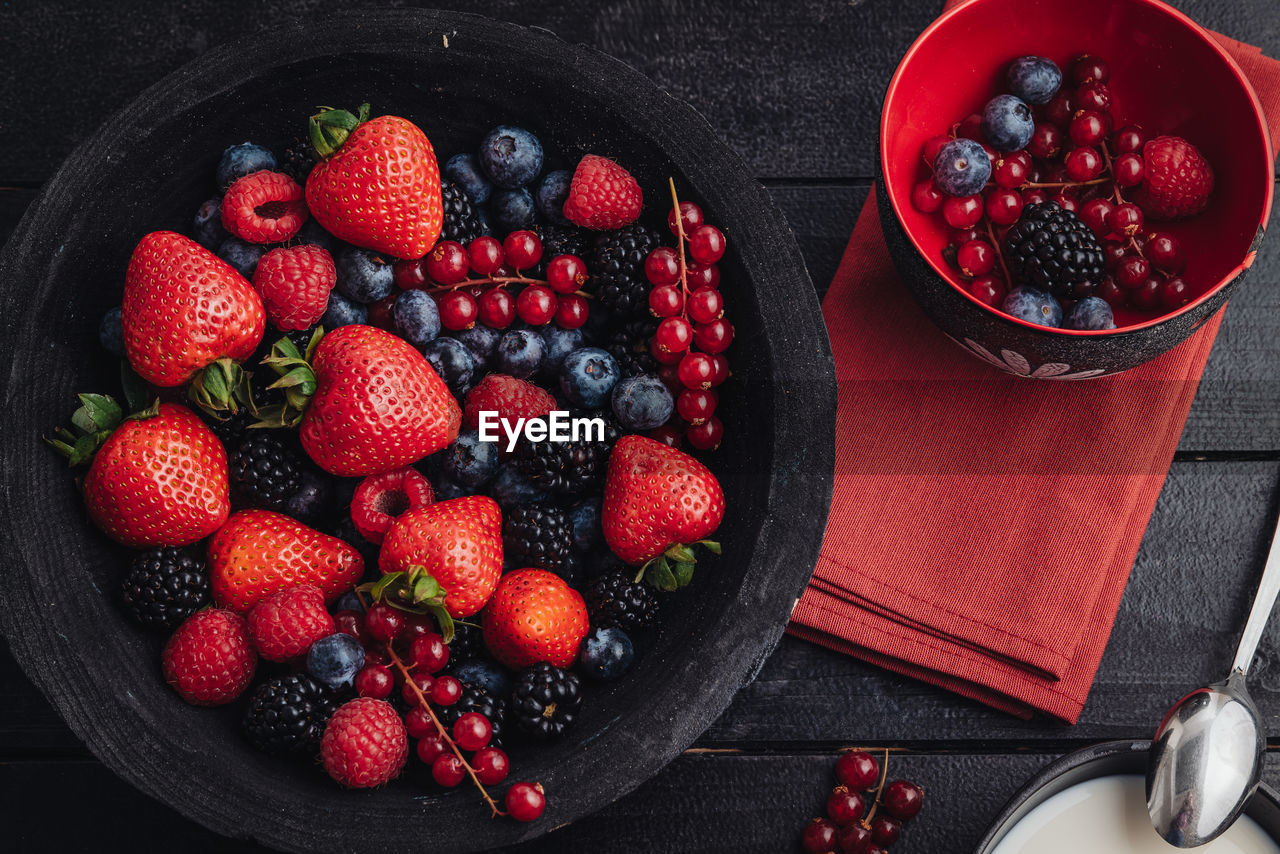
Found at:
[801, 429]
[1201, 33]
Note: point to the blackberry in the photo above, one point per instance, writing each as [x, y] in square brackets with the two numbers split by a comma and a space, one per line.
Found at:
[461, 222]
[534, 535]
[477, 699]
[616, 267]
[617, 599]
[567, 468]
[467, 643]
[1051, 249]
[545, 701]
[561, 240]
[287, 715]
[164, 587]
[263, 470]
[630, 346]
[297, 160]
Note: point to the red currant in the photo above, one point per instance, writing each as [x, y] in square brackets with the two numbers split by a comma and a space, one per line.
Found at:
[472, 731]
[961, 236]
[380, 313]
[1132, 271]
[1083, 164]
[1064, 201]
[664, 357]
[707, 435]
[1087, 128]
[976, 258]
[377, 654]
[722, 369]
[706, 244]
[933, 146]
[447, 770]
[1108, 290]
[668, 434]
[696, 371]
[496, 308]
[486, 255]
[695, 405]
[1089, 69]
[1093, 96]
[971, 127]
[844, 807]
[673, 335]
[1035, 196]
[1175, 293]
[1125, 220]
[351, 623]
[1011, 170]
[987, 290]
[536, 305]
[1094, 214]
[690, 217]
[1059, 110]
[1146, 295]
[902, 800]
[423, 682]
[447, 262]
[571, 311]
[1046, 141]
[1113, 252]
[431, 747]
[703, 277]
[1128, 140]
[1004, 206]
[705, 305]
[446, 691]
[526, 801]
[522, 249]
[962, 211]
[491, 765]
[458, 310]
[566, 274]
[429, 653]
[376, 681]
[714, 337]
[662, 266]
[416, 626]
[418, 723]
[854, 839]
[885, 830]
[383, 623]
[410, 275]
[667, 301]
[1128, 170]
[858, 771]
[819, 836]
[1165, 251]
[925, 196]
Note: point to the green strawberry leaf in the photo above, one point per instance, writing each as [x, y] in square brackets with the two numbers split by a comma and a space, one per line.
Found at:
[710, 545]
[137, 394]
[221, 388]
[97, 412]
[681, 552]
[683, 572]
[444, 620]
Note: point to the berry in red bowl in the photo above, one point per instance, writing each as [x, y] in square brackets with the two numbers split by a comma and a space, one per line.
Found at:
[1070, 189]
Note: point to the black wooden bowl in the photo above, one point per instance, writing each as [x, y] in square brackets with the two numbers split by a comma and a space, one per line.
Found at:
[1167, 74]
[1104, 760]
[456, 75]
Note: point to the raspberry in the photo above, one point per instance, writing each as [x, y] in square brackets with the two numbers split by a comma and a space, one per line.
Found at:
[264, 207]
[364, 744]
[509, 397]
[379, 499]
[602, 196]
[285, 624]
[294, 284]
[1177, 180]
[209, 660]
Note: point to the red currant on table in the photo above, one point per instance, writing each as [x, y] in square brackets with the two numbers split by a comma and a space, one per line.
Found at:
[976, 258]
[1064, 201]
[1087, 128]
[1126, 219]
[486, 255]
[1108, 290]
[1113, 252]
[447, 262]
[1128, 140]
[844, 807]
[695, 405]
[431, 747]
[1094, 214]
[566, 274]
[707, 435]
[961, 236]
[1046, 143]
[1146, 295]
[666, 301]
[714, 337]
[1059, 109]
[1035, 196]
[496, 308]
[857, 770]
[446, 691]
[673, 335]
[1175, 293]
[410, 275]
[988, 290]
[1004, 206]
[375, 681]
[447, 770]
[962, 211]
[1128, 170]
[696, 370]
[662, 266]
[1011, 170]
[351, 623]
[1093, 96]
[536, 305]
[1083, 163]
[458, 310]
[885, 830]
[491, 765]
[706, 305]
[902, 799]
[706, 244]
[1089, 69]
[571, 311]
[932, 147]
[1132, 271]
[819, 836]
[526, 801]
[703, 277]
[854, 839]
[380, 312]
[429, 653]
[722, 369]
[423, 682]
[925, 196]
[522, 249]
[383, 623]
[418, 723]
[690, 216]
[472, 731]
[1165, 252]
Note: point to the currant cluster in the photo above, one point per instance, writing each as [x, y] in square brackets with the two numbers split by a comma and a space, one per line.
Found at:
[475, 283]
[692, 332]
[864, 815]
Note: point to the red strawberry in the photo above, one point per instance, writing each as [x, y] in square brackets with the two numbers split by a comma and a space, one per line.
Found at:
[602, 195]
[185, 307]
[535, 616]
[294, 284]
[365, 744]
[377, 185]
[158, 480]
[1176, 181]
[209, 660]
[284, 625]
[509, 397]
[382, 498]
[459, 542]
[264, 207]
[259, 552]
[658, 502]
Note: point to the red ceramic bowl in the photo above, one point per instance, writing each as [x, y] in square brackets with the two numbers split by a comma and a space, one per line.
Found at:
[1168, 75]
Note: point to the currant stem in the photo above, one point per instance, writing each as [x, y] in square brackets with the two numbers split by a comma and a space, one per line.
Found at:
[684, 269]
[995, 244]
[1044, 186]
[1115, 187]
[422, 701]
[495, 281]
[884, 774]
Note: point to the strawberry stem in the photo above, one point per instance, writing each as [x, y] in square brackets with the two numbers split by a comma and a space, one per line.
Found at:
[328, 129]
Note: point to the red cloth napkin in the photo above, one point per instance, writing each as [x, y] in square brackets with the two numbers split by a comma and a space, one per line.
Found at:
[984, 525]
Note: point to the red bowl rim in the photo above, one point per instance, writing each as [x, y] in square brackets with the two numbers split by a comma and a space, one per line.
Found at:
[1244, 264]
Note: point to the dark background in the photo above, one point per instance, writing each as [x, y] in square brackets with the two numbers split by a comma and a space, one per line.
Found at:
[795, 88]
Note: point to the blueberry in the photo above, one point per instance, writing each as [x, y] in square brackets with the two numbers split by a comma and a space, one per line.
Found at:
[1033, 306]
[335, 660]
[363, 275]
[482, 217]
[1091, 313]
[587, 376]
[510, 489]
[481, 340]
[348, 601]
[1007, 123]
[553, 189]
[452, 361]
[1034, 79]
[962, 167]
[642, 402]
[486, 674]
[417, 317]
[585, 518]
[607, 653]
[510, 156]
[446, 489]
[519, 353]
[314, 233]
[462, 169]
[469, 461]
[311, 498]
[512, 210]
[557, 343]
[343, 312]
[207, 226]
[111, 332]
[241, 255]
[240, 160]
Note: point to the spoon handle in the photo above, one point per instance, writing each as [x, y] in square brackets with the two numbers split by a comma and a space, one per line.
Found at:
[1263, 601]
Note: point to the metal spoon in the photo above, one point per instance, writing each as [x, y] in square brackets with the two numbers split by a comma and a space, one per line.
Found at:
[1206, 758]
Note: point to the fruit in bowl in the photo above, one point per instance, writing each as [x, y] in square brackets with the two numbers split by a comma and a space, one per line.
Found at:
[1123, 180]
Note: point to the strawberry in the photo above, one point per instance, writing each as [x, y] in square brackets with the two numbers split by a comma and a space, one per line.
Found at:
[1176, 181]
[602, 195]
[284, 625]
[294, 284]
[459, 542]
[264, 207]
[365, 744]
[158, 478]
[658, 503]
[509, 397]
[209, 660]
[377, 184]
[534, 616]
[185, 307]
[259, 552]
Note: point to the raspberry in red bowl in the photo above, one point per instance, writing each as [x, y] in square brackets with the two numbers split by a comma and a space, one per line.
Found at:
[1169, 257]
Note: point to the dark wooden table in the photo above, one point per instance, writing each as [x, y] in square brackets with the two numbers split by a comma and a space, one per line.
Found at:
[795, 87]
